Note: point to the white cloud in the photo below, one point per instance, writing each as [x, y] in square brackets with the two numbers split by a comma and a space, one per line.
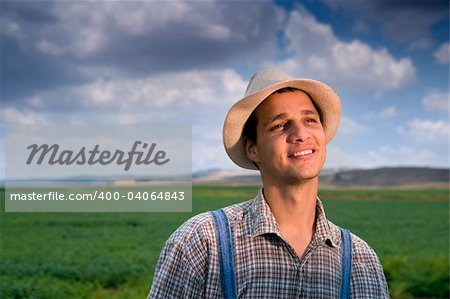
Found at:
[206, 155]
[217, 32]
[426, 131]
[198, 96]
[403, 156]
[49, 48]
[385, 113]
[382, 156]
[442, 54]
[145, 16]
[349, 126]
[189, 93]
[12, 115]
[437, 100]
[11, 28]
[87, 28]
[388, 112]
[35, 101]
[318, 52]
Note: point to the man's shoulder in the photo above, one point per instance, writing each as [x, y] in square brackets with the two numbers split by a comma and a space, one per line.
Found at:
[194, 227]
[201, 226]
[362, 250]
[362, 253]
[364, 257]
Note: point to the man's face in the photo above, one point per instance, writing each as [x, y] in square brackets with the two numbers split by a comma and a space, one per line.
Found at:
[291, 143]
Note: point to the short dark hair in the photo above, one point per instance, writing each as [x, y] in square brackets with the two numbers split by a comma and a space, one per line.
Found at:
[249, 130]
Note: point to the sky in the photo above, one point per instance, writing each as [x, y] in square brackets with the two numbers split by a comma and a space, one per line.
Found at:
[187, 62]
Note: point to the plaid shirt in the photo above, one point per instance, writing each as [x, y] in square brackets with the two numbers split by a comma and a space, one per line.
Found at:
[266, 265]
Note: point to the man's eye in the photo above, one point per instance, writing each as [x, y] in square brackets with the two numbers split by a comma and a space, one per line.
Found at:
[278, 126]
[311, 120]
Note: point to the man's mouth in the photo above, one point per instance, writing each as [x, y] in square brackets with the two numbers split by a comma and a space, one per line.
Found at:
[301, 153]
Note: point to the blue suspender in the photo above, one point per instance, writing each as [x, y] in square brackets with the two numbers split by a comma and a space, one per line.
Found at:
[346, 263]
[226, 257]
[226, 254]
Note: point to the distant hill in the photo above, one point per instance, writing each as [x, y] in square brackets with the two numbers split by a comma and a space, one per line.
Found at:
[387, 176]
[378, 177]
[226, 176]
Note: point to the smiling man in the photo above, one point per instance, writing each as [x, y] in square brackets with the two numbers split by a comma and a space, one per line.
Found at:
[279, 244]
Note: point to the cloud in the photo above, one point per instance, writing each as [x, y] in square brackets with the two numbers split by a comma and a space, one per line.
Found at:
[382, 156]
[199, 98]
[350, 127]
[437, 100]
[12, 115]
[402, 21]
[442, 54]
[64, 43]
[207, 155]
[49, 48]
[426, 131]
[137, 62]
[386, 113]
[317, 52]
[187, 96]
[403, 156]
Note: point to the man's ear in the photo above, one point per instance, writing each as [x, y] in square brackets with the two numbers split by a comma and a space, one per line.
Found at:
[251, 150]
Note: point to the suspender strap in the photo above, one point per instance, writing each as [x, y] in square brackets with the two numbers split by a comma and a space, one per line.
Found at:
[226, 255]
[346, 263]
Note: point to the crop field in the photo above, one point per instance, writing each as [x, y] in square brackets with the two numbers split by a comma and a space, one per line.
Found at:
[113, 255]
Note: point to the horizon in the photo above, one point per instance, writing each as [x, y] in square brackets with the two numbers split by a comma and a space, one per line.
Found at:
[232, 172]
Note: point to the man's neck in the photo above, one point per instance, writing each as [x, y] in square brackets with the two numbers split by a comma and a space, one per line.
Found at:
[294, 208]
[293, 203]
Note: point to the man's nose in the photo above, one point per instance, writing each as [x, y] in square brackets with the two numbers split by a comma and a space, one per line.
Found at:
[297, 133]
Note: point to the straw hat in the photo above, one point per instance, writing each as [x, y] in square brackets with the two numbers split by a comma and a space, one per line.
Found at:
[262, 85]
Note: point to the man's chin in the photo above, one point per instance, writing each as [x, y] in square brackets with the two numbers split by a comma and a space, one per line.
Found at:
[294, 178]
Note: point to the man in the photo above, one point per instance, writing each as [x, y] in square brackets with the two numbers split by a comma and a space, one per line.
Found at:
[284, 247]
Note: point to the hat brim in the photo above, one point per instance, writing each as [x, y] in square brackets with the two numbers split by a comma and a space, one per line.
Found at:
[321, 94]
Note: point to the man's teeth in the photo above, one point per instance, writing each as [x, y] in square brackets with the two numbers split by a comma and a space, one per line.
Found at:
[302, 153]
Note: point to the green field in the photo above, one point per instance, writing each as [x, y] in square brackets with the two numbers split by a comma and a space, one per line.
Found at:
[113, 255]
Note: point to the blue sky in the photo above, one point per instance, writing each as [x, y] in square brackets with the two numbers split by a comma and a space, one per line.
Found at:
[187, 62]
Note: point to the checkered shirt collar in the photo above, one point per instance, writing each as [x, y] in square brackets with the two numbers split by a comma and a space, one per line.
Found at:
[265, 223]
